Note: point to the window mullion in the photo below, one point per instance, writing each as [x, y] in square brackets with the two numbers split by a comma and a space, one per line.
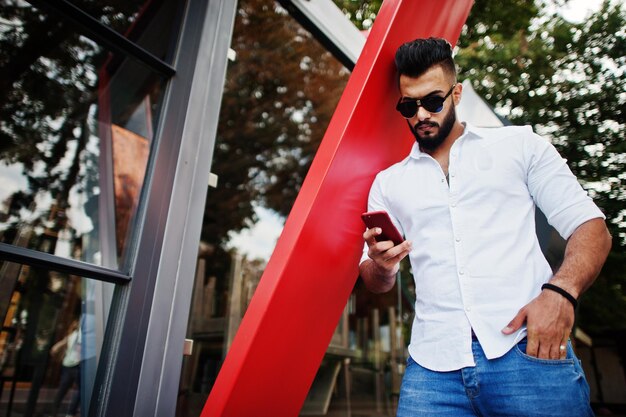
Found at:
[11, 253]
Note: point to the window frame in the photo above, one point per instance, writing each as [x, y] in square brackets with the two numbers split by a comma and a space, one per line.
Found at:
[123, 349]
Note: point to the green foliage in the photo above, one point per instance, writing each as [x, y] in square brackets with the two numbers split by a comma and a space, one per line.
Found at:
[568, 81]
[361, 12]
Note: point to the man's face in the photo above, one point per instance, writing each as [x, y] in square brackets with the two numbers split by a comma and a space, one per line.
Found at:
[431, 129]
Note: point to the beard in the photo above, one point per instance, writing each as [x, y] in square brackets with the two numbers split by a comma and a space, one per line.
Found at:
[429, 141]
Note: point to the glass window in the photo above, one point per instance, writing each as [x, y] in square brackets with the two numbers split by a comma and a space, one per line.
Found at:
[50, 340]
[281, 90]
[136, 18]
[76, 125]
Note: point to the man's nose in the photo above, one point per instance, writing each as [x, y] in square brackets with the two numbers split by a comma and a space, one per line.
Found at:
[422, 114]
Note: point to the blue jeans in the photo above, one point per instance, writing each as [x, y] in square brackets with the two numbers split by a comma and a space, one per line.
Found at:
[513, 385]
[69, 376]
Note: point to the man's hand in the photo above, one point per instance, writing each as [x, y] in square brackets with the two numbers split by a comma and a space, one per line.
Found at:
[549, 319]
[379, 272]
[385, 255]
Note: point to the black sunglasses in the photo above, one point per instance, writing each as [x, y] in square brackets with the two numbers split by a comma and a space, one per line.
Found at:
[433, 104]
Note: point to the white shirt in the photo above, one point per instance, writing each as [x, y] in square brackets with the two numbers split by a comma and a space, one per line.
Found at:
[72, 353]
[476, 259]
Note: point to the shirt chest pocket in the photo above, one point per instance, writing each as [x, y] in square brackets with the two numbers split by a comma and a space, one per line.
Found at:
[484, 180]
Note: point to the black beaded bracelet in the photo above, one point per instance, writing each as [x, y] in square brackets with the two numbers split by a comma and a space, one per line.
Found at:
[561, 291]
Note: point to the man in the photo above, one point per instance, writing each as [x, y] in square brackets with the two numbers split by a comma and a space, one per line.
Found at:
[487, 339]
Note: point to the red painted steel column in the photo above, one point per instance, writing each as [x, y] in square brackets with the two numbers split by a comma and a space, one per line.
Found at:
[291, 318]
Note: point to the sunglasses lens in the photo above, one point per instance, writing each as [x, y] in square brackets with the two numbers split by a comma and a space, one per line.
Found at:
[433, 104]
[407, 108]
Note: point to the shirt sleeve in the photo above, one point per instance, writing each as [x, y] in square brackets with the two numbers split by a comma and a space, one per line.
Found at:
[555, 189]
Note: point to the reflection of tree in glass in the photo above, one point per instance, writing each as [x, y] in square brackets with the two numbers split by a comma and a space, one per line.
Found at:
[48, 88]
[280, 93]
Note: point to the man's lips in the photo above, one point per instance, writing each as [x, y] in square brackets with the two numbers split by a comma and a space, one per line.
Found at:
[425, 127]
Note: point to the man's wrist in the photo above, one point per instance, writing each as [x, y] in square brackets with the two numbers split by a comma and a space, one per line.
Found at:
[374, 279]
[568, 283]
[383, 273]
[555, 288]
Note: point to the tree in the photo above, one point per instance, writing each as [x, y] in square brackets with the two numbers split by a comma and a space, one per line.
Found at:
[567, 81]
[361, 12]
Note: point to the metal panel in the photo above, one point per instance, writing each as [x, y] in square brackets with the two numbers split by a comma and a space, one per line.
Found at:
[146, 329]
[157, 390]
[330, 27]
[292, 316]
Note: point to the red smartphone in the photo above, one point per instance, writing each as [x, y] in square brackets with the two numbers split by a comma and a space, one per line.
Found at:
[381, 219]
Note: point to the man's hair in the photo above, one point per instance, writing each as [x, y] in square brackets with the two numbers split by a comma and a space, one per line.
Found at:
[418, 56]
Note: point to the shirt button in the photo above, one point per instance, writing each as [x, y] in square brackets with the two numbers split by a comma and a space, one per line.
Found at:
[453, 205]
[458, 239]
[461, 272]
[468, 308]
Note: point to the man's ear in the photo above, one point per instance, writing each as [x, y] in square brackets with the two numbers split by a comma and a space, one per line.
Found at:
[457, 93]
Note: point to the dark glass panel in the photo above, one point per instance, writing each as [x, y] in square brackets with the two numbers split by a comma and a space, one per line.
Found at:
[76, 124]
[280, 92]
[137, 18]
[50, 340]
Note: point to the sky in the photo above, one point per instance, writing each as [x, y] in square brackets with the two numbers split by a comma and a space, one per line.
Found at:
[260, 240]
[578, 10]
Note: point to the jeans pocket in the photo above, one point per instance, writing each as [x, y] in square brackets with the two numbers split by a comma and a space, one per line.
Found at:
[520, 349]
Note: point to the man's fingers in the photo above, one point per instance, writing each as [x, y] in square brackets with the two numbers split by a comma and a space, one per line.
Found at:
[556, 350]
[397, 253]
[549, 351]
[370, 235]
[385, 255]
[546, 346]
[532, 346]
[516, 323]
[563, 347]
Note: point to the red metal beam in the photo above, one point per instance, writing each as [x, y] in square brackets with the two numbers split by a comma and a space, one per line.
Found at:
[296, 307]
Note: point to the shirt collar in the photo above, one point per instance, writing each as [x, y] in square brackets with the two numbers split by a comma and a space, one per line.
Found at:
[469, 132]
